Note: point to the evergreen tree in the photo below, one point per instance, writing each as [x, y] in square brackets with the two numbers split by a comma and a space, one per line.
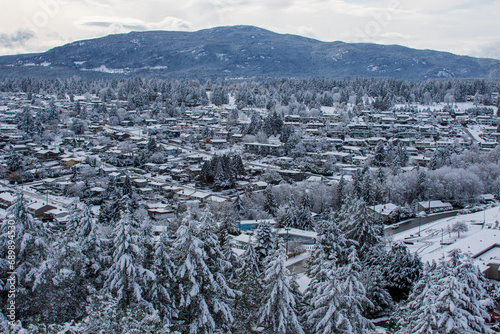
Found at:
[255, 125]
[304, 217]
[264, 242]
[61, 285]
[127, 187]
[222, 232]
[110, 212]
[328, 254]
[357, 183]
[270, 205]
[111, 189]
[107, 315]
[448, 299]
[401, 156]
[236, 166]
[422, 185]
[23, 247]
[25, 121]
[340, 192]
[381, 301]
[238, 205]
[339, 299]
[27, 237]
[368, 192]
[417, 315]
[127, 278]
[278, 314]
[247, 282]
[290, 218]
[219, 96]
[152, 146]
[162, 288]
[221, 179]
[287, 132]
[402, 271]
[83, 230]
[380, 156]
[360, 226]
[276, 123]
[202, 292]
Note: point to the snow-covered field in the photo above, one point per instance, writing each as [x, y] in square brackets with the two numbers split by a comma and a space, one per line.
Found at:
[462, 106]
[437, 239]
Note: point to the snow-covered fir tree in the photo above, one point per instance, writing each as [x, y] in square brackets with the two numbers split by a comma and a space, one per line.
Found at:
[339, 299]
[107, 315]
[304, 216]
[331, 245]
[270, 205]
[278, 313]
[402, 270]
[21, 252]
[360, 226]
[161, 289]
[60, 285]
[417, 314]
[86, 233]
[221, 178]
[249, 297]
[201, 291]
[236, 165]
[290, 218]
[264, 242]
[127, 278]
[110, 212]
[127, 187]
[222, 232]
[340, 192]
[375, 285]
[449, 298]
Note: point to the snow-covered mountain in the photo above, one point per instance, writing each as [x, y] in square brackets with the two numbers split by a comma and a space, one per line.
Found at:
[240, 51]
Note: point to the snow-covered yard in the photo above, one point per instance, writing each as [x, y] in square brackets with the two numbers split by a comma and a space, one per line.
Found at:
[438, 238]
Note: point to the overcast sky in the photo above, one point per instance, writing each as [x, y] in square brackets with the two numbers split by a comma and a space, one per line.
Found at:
[469, 27]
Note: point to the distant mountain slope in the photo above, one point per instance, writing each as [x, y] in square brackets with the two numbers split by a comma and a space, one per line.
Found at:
[240, 51]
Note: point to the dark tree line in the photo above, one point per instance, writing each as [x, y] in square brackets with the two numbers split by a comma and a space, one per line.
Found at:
[222, 171]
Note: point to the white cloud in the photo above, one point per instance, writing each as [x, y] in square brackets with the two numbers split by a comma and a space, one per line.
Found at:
[460, 26]
[306, 31]
[100, 22]
[18, 38]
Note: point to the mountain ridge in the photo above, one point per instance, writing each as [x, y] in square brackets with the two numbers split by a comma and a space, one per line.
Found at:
[240, 52]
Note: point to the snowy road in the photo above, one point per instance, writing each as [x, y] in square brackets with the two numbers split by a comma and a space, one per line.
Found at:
[415, 222]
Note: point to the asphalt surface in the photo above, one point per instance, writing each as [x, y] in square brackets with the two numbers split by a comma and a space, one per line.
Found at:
[415, 222]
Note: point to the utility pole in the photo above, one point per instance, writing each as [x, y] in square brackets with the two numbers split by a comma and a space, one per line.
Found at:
[287, 229]
[419, 224]
[484, 218]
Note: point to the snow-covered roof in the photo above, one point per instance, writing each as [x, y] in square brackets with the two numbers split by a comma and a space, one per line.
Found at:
[243, 238]
[297, 232]
[434, 204]
[7, 197]
[384, 209]
[314, 179]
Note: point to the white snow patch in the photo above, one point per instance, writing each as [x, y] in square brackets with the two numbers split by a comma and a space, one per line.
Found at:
[105, 69]
[303, 281]
[436, 239]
